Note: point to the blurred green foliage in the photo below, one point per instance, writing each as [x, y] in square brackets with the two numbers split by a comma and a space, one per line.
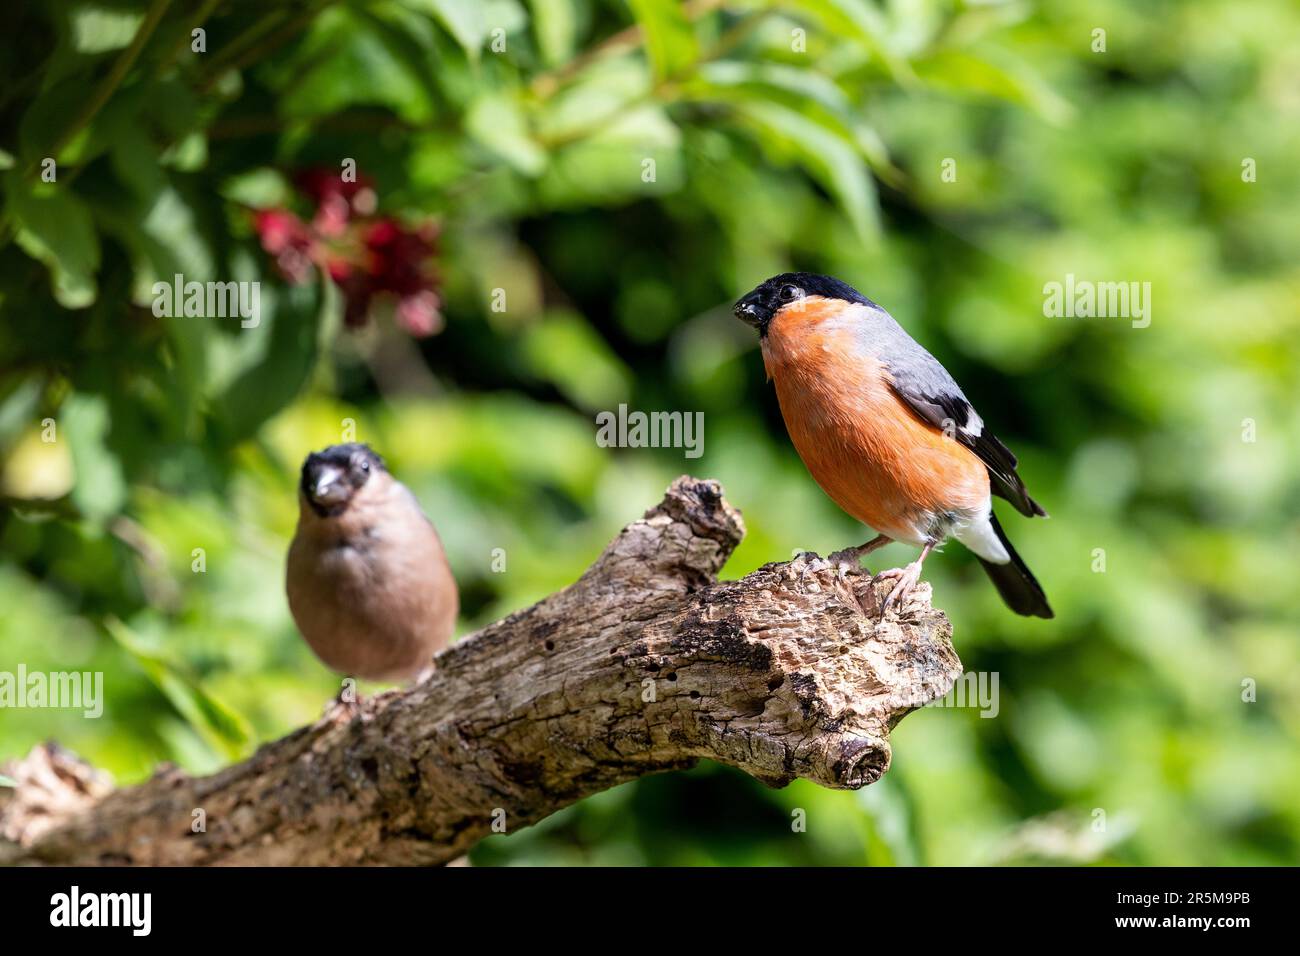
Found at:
[623, 172]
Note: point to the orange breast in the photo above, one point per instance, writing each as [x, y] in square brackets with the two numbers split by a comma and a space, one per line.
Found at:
[875, 458]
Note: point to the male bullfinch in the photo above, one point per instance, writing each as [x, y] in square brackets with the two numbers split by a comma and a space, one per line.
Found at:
[887, 433]
[368, 582]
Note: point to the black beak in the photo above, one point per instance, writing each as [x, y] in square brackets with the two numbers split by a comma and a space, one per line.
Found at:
[328, 485]
[325, 486]
[751, 311]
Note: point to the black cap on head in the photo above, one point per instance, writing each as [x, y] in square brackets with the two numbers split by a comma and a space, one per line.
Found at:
[770, 297]
[331, 477]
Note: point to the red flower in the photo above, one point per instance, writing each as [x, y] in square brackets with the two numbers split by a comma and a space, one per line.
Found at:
[398, 264]
[419, 313]
[363, 256]
[337, 199]
[288, 238]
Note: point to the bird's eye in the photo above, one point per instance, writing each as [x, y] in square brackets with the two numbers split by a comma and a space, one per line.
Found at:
[364, 465]
[790, 292]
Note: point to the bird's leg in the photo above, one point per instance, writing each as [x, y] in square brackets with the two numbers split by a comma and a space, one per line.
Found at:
[907, 578]
[849, 557]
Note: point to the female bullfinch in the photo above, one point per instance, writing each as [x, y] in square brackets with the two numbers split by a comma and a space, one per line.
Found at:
[368, 582]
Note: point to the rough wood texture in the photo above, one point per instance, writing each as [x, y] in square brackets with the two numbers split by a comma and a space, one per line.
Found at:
[647, 663]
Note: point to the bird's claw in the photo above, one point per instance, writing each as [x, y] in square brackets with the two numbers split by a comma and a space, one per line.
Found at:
[887, 574]
[907, 580]
[849, 560]
[809, 562]
[841, 563]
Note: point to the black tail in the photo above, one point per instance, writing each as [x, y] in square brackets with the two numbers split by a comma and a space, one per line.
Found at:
[1015, 582]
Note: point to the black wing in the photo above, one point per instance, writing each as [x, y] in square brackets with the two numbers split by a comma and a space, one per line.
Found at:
[942, 404]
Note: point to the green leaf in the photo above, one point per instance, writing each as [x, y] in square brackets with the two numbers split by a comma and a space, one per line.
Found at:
[465, 20]
[99, 491]
[555, 26]
[221, 727]
[600, 93]
[891, 817]
[963, 72]
[787, 82]
[169, 239]
[19, 399]
[509, 15]
[179, 243]
[815, 96]
[46, 120]
[568, 352]
[135, 161]
[56, 229]
[497, 121]
[259, 188]
[647, 126]
[99, 29]
[669, 40]
[282, 352]
[827, 156]
[861, 19]
[402, 35]
[7, 781]
[357, 59]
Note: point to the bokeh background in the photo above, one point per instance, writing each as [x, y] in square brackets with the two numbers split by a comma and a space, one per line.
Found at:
[509, 263]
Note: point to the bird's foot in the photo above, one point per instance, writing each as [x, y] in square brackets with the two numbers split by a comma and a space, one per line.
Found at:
[907, 578]
[849, 559]
[809, 562]
[845, 562]
[842, 563]
[810, 565]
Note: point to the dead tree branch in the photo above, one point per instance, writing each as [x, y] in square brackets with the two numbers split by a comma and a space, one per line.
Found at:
[647, 663]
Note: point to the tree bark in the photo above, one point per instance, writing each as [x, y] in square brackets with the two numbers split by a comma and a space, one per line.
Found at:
[646, 664]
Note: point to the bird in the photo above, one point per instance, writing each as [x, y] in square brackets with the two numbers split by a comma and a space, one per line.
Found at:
[367, 579]
[887, 433]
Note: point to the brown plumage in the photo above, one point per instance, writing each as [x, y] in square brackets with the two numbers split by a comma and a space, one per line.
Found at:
[367, 579]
